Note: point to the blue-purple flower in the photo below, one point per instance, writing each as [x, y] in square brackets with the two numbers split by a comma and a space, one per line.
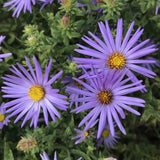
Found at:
[117, 54]
[3, 119]
[45, 2]
[107, 138]
[20, 5]
[6, 54]
[105, 95]
[32, 92]
[157, 8]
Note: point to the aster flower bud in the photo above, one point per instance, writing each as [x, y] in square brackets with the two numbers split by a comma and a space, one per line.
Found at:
[65, 21]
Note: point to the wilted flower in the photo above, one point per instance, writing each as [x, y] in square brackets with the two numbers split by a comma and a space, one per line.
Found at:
[21, 4]
[105, 95]
[34, 92]
[3, 119]
[6, 54]
[26, 143]
[117, 54]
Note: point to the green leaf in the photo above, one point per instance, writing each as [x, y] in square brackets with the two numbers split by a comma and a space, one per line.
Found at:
[8, 155]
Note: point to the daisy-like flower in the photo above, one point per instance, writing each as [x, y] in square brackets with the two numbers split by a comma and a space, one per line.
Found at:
[118, 54]
[31, 92]
[45, 156]
[20, 5]
[107, 138]
[3, 119]
[6, 54]
[83, 134]
[105, 96]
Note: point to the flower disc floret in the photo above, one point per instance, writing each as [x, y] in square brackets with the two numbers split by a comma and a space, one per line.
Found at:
[105, 133]
[104, 97]
[2, 117]
[116, 60]
[36, 92]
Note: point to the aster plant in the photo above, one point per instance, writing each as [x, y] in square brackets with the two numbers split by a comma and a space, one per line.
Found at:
[105, 95]
[34, 92]
[119, 54]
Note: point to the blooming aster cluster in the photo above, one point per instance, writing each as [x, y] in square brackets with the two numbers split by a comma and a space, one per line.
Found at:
[107, 88]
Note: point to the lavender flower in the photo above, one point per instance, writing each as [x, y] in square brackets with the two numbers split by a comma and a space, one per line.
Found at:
[3, 119]
[31, 92]
[6, 54]
[83, 134]
[20, 5]
[105, 96]
[117, 55]
[107, 138]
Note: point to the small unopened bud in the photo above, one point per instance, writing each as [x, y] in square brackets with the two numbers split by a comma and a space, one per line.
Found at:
[31, 39]
[65, 21]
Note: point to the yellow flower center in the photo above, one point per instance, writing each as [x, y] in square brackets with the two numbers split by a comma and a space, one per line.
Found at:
[87, 133]
[36, 92]
[2, 117]
[116, 60]
[105, 133]
[104, 97]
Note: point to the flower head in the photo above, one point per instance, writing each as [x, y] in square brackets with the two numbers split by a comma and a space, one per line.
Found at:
[26, 143]
[107, 138]
[20, 5]
[45, 2]
[31, 92]
[105, 95]
[3, 119]
[118, 54]
[6, 54]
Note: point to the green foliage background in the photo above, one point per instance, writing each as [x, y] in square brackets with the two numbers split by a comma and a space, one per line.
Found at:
[42, 34]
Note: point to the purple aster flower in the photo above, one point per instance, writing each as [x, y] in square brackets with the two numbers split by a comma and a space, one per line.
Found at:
[45, 156]
[31, 92]
[6, 54]
[20, 4]
[71, 83]
[83, 134]
[118, 54]
[3, 120]
[107, 138]
[105, 96]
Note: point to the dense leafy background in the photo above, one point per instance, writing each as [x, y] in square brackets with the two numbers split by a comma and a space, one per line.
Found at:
[41, 34]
